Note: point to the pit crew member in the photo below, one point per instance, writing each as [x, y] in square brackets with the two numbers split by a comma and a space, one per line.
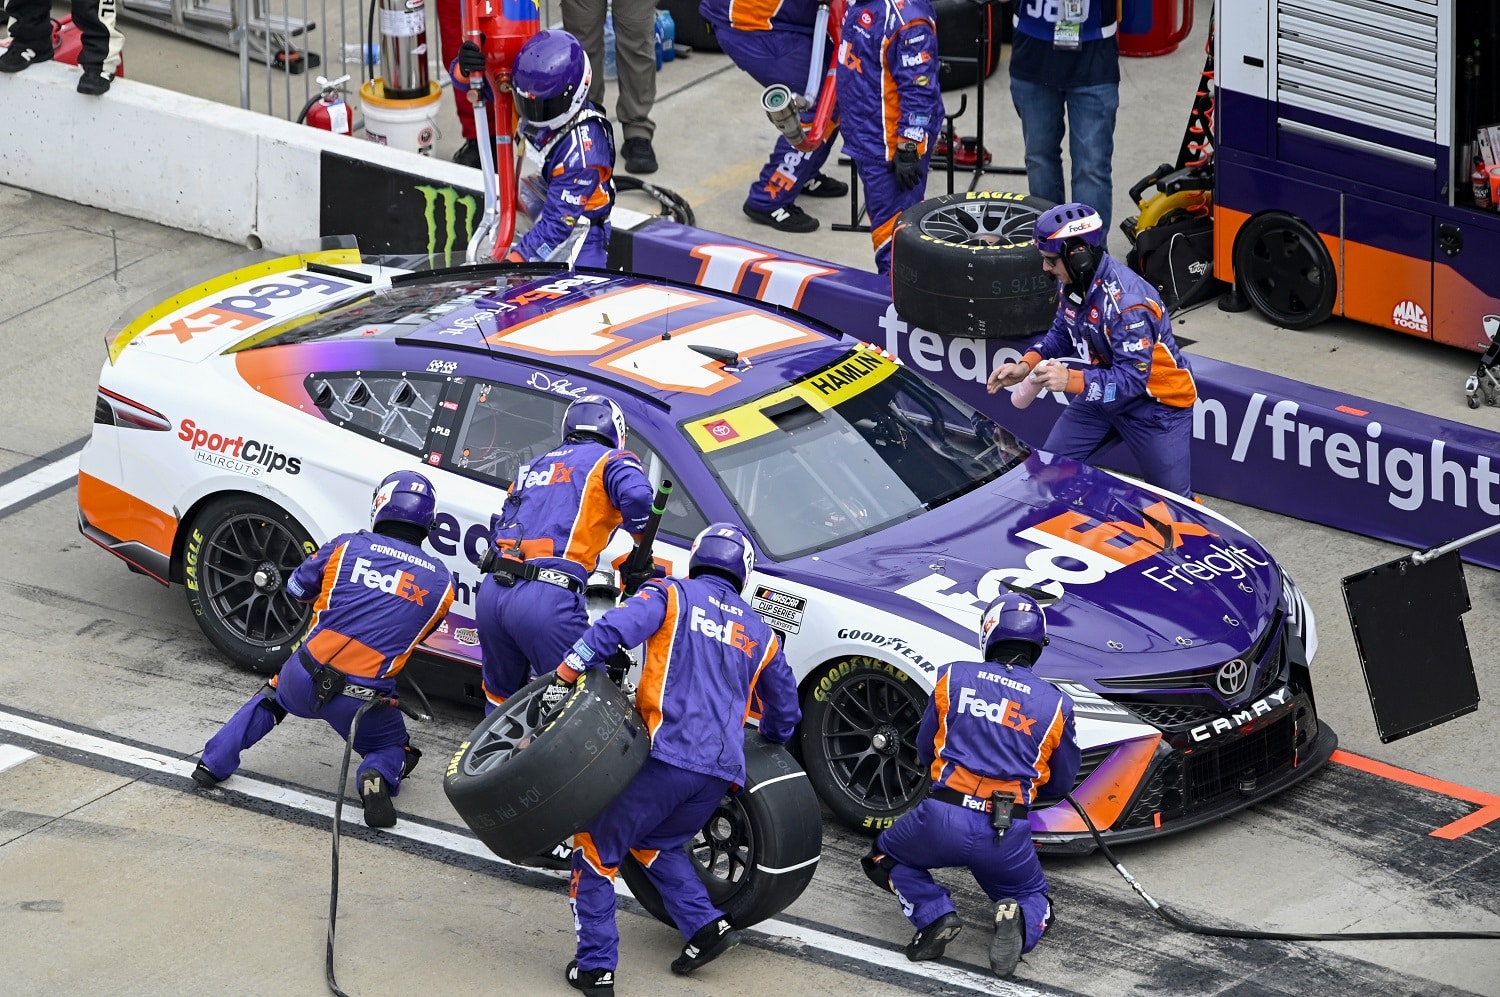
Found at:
[1129, 379]
[995, 738]
[890, 105]
[567, 139]
[559, 515]
[375, 595]
[706, 651]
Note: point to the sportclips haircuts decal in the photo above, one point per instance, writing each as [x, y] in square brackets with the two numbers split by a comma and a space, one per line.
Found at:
[413, 214]
[1262, 440]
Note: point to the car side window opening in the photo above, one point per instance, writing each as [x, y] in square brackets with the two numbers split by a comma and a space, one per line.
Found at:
[877, 451]
[503, 428]
[682, 517]
[392, 407]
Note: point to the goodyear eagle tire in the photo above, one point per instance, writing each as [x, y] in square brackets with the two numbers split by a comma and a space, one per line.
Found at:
[965, 265]
[759, 850]
[236, 560]
[522, 789]
[859, 741]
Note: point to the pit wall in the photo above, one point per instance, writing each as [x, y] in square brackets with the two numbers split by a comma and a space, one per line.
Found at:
[1261, 440]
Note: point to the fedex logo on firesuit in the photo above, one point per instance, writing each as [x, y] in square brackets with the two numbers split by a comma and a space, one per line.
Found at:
[1005, 713]
[399, 583]
[731, 633]
[552, 474]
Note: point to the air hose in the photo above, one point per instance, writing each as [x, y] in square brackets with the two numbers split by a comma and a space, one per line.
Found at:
[1183, 924]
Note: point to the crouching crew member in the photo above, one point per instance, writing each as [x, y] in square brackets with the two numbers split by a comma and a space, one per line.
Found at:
[706, 651]
[376, 596]
[995, 738]
[560, 513]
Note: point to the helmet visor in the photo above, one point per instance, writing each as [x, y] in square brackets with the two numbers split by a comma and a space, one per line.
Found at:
[546, 112]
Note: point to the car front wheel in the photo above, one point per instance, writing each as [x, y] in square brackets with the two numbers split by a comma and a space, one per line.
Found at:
[239, 554]
[859, 741]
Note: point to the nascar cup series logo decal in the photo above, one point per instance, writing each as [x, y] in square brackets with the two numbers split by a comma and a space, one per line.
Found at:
[235, 453]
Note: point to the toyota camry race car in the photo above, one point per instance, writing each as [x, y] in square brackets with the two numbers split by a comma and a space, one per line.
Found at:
[244, 421]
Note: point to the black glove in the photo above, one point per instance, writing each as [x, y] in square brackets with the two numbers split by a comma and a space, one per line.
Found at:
[470, 59]
[631, 581]
[547, 701]
[908, 165]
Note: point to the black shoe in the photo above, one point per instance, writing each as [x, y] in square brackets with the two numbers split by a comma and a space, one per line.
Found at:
[93, 82]
[639, 156]
[468, 154]
[594, 982]
[204, 778]
[379, 810]
[929, 942]
[823, 185]
[786, 219]
[708, 943]
[18, 57]
[1005, 947]
[559, 856]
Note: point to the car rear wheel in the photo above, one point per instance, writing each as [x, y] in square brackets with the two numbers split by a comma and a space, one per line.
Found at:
[1285, 270]
[759, 850]
[859, 741]
[239, 554]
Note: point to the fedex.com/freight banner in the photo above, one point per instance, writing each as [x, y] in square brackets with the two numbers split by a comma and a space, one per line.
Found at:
[1262, 440]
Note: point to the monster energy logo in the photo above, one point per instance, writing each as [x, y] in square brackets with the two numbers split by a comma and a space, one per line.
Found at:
[447, 227]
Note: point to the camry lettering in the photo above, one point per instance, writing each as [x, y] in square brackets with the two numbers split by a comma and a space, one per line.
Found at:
[1006, 713]
[397, 583]
[1236, 720]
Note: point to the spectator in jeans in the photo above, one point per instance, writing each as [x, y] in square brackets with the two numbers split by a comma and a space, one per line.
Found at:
[30, 25]
[1065, 59]
[635, 55]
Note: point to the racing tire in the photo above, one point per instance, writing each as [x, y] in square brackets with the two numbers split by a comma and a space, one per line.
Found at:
[859, 741]
[759, 850]
[1282, 266]
[966, 265]
[239, 553]
[522, 788]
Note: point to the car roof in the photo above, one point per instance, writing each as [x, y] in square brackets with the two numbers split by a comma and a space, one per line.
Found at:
[637, 334]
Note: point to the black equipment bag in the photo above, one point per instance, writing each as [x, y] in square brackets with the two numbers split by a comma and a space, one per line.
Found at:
[1178, 259]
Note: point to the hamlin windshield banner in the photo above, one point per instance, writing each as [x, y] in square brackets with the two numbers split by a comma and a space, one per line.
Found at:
[1259, 439]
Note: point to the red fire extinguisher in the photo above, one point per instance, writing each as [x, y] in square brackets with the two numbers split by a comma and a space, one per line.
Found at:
[328, 110]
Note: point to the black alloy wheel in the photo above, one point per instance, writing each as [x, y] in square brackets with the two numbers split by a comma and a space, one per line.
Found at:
[1284, 268]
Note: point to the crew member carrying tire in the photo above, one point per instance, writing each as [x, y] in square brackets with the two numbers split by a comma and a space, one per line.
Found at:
[1132, 383]
[377, 596]
[706, 653]
[546, 541]
[995, 738]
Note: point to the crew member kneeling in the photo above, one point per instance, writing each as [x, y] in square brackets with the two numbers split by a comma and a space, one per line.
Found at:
[995, 737]
[706, 651]
[377, 596]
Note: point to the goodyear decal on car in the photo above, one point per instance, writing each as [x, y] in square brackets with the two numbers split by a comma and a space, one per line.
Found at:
[213, 308]
[823, 391]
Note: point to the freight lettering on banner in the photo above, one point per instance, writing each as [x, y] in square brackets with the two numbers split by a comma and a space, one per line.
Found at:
[440, 206]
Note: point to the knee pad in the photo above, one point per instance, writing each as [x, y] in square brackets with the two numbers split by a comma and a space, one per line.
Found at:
[877, 866]
[268, 700]
[409, 759]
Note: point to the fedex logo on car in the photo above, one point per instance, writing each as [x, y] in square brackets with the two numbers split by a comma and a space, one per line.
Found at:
[397, 583]
[1006, 713]
[247, 307]
[731, 633]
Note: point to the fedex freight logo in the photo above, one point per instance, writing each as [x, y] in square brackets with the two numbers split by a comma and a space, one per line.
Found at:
[732, 633]
[402, 584]
[557, 289]
[249, 307]
[235, 453]
[1073, 549]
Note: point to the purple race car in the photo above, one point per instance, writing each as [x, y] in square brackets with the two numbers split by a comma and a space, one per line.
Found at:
[245, 420]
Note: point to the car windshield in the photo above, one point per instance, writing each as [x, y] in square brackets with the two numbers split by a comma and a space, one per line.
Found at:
[848, 450]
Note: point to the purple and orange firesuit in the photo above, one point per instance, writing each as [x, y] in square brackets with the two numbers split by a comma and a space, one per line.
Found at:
[888, 94]
[706, 650]
[560, 513]
[987, 728]
[374, 599]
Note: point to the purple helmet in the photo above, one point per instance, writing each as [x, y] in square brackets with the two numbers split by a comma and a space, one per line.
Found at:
[403, 497]
[1013, 617]
[1068, 221]
[723, 549]
[551, 79]
[598, 416]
